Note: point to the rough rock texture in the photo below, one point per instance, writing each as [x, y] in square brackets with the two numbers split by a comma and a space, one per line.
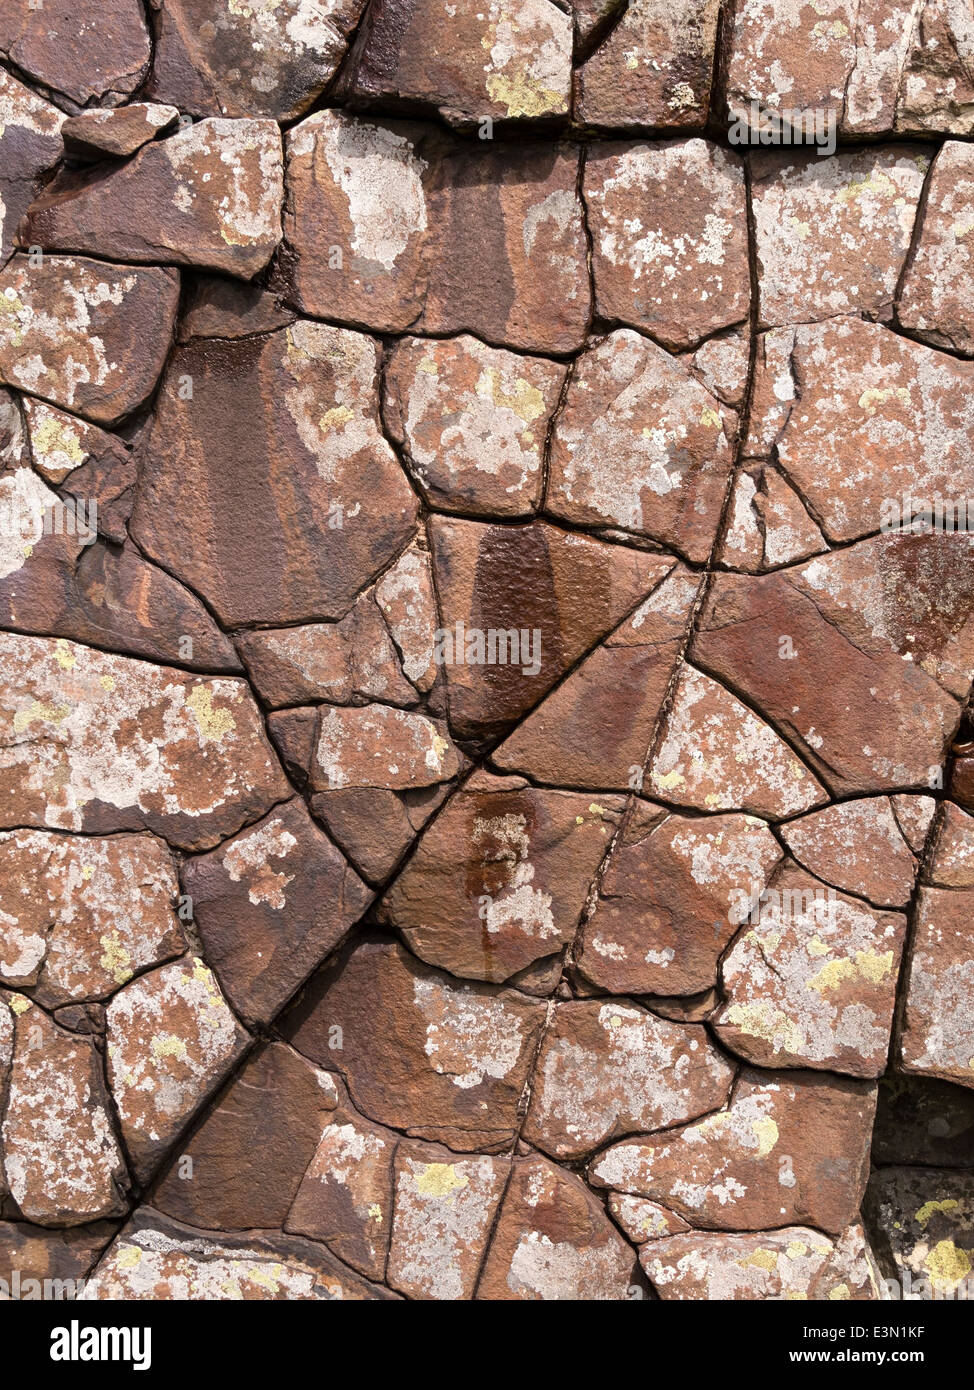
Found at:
[29, 147]
[78, 53]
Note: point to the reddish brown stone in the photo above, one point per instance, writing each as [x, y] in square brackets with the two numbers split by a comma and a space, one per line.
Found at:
[171, 1039]
[722, 363]
[29, 145]
[102, 54]
[935, 302]
[374, 826]
[554, 1242]
[788, 1149]
[406, 599]
[86, 462]
[471, 65]
[420, 1051]
[938, 1037]
[269, 905]
[249, 58]
[562, 591]
[277, 467]
[953, 860]
[859, 847]
[607, 1068]
[254, 1146]
[914, 815]
[640, 444]
[500, 879]
[377, 746]
[99, 743]
[219, 308]
[85, 335]
[642, 1220]
[36, 1262]
[473, 422]
[669, 238]
[674, 893]
[937, 90]
[116, 131]
[768, 525]
[292, 732]
[210, 195]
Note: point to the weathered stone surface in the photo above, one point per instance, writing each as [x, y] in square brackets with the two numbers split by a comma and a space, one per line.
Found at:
[103, 54]
[87, 463]
[269, 905]
[953, 860]
[674, 894]
[642, 1220]
[62, 1160]
[374, 826]
[832, 234]
[786, 1150]
[813, 982]
[99, 743]
[922, 1120]
[346, 1197]
[420, 1051]
[254, 1146]
[248, 58]
[722, 363]
[407, 601]
[792, 1263]
[377, 746]
[445, 1209]
[654, 69]
[608, 1068]
[554, 1242]
[914, 815]
[395, 226]
[116, 131]
[497, 63]
[935, 302]
[156, 1258]
[922, 1224]
[171, 1039]
[38, 1262]
[768, 524]
[210, 195]
[29, 146]
[88, 336]
[857, 846]
[669, 238]
[219, 308]
[938, 1037]
[79, 916]
[560, 591]
[277, 467]
[500, 879]
[937, 90]
[640, 444]
[472, 421]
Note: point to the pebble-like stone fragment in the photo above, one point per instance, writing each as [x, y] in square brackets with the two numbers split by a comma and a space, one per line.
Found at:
[857, 846]
[96, 742]
[85, 335]
[420, 1051]
[935, 301]
[210, 196]
[116, 131]
[171, 1039]
[29, 146]
[269, 904]
[669, 238]
[377, 746]
[608, 1068]
[938, 1035]
[642, 1220]
[88, 463]
[81, 53]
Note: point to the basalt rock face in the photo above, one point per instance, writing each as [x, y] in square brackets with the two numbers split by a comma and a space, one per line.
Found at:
[486, 649]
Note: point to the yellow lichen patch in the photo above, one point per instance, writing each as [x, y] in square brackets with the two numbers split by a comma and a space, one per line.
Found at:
[439, 1180]
[213, 723]
[668, 781]
[168, 1046]
[796, 1249]
[767, 1135]
[868, 964]
[876, 396]
[115, 958]
[711, 417]
[52, 714]
[761, 1259]
[429, 367]
[802, 229]
[763, 1020]
[63, 655]
[526, 401]
[874, 967]
[51, 437]
[19, 1004]
[265, 1276]
[615, 1021]
[930, 1208]
[817, 947]
[946, 1265]
[768, 943]
[87, 872]
[130, 1257]
[375, 1212]
[832, 975]
[877, 182]
[840, 1293]
[960, 230]
[523, 95]
[796, 1295]
[336, 417]
[106, 682]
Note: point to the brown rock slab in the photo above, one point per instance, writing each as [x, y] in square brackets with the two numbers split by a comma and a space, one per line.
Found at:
[500, 878]
[787, 1150]
[87, 463]
[813, 982]
[171, 1039]
[98, 743]
[654, 69]
[608, 1068]
[277, 466]
[37, 1262]
[953, 860]
[922, 1224]
[445, 1209]
[220, 308]
[768, 524]
[116, 131]
[269, 904]
[80, 915]
[937, 90]
[346, 1197]
[374, 826]
[561, 592]
[472, 421]
[210, 195]
[938, 1037]
[59, 1151]
[641, 1220]
[673, 895]
[101, 55]
[377, 746]
[914, 815]
[406, 600]
[669, 238]
[249, 59]
[440, 1059]
[641, 445]
[29, 146]
[554, 1242]
[253, 1147]
[722, 363]
[792, 1263]
[857, 846]
[85, 335]
[935, 302]
[471, 65]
